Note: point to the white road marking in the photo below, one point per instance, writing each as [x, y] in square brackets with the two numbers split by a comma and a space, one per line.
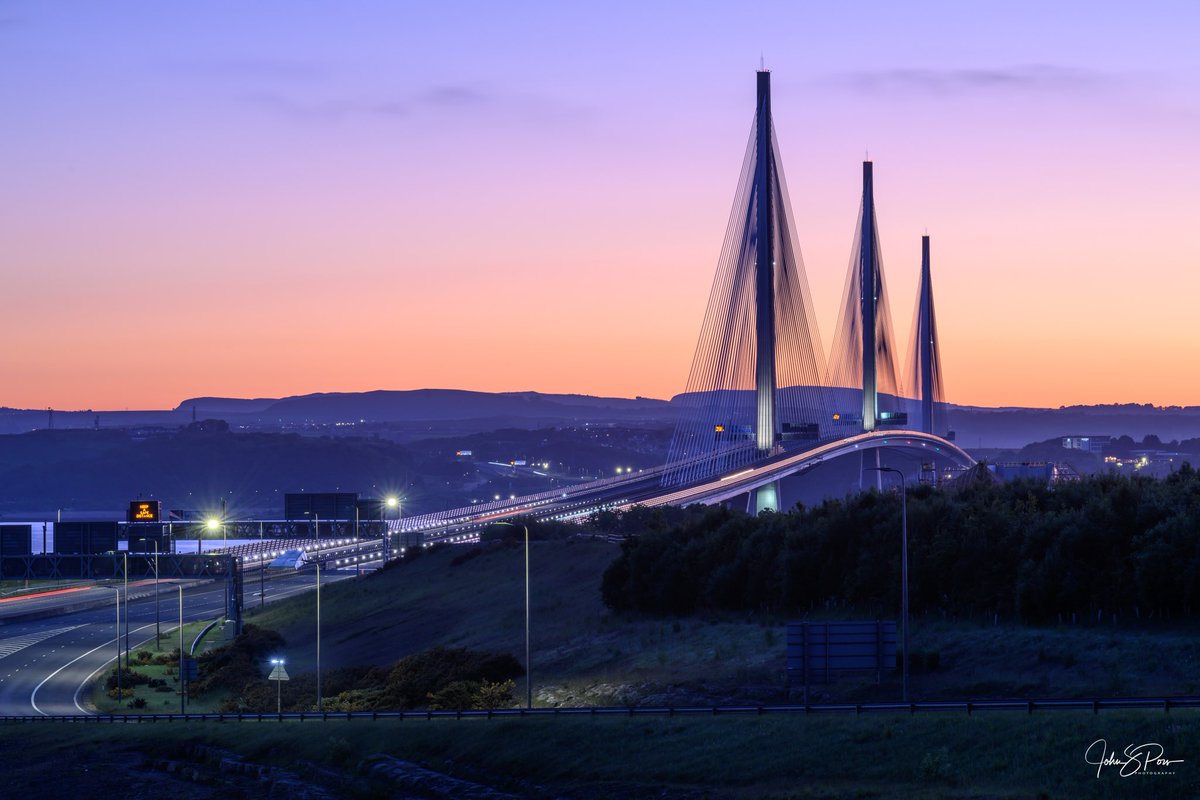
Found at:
[33, 694]
[16, 644]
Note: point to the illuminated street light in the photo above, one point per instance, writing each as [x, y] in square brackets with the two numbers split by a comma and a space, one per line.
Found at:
[391, 502]
[214, 523]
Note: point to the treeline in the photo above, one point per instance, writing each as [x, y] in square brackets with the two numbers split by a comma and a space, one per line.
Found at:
[1023, 550]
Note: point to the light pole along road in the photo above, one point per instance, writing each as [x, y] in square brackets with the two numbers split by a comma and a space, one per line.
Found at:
[528, 665]
[903, 574]
[47, 664]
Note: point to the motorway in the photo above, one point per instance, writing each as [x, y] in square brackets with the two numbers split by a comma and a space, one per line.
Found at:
[46, 664]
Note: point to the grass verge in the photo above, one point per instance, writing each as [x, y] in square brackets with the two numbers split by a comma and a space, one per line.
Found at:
[894, 756]
[164, 698]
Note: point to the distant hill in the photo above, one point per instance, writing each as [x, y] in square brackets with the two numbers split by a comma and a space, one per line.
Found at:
[208, 406]
[422, 413]
[448, 404]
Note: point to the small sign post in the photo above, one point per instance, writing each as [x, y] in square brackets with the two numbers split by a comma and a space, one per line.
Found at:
[279, 675]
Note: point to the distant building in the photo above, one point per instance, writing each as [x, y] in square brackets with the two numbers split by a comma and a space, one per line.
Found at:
[1089, 444]
[320, 505]
[1047, 471]
[1152, 463]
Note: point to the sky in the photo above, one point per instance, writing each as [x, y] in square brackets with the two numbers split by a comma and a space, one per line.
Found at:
[275, 198]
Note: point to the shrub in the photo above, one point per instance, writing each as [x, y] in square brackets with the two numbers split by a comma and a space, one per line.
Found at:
[238, 663]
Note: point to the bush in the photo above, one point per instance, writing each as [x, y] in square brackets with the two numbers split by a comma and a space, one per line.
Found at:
[166, 659]
[473, 695]
[238, 663]
[415, 679]
[129, 678]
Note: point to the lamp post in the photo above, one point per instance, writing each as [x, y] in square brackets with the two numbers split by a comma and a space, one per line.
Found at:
[118, 640]
[903, 572]
[318, 563]
[392, 502]
[262, 569]
[157, 615]
[214, 523]
[125, 576]
[528, 666]
[181, 695]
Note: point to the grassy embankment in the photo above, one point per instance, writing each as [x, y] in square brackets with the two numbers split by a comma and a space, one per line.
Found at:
[585, 655]
[1006, 755]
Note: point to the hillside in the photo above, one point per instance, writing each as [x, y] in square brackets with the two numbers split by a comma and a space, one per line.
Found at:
[584, 654]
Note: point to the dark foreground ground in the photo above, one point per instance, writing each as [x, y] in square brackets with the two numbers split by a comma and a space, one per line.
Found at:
[1009, 755]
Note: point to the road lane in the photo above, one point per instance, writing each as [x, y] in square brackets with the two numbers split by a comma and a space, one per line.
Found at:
[45, 664]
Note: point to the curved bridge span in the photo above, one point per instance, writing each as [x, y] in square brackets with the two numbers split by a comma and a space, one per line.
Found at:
[463, 524]
[753, 477]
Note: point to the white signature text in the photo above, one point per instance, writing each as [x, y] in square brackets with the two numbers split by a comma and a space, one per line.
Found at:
[1137, 759]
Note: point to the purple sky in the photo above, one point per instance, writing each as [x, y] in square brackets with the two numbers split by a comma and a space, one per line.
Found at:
[279, 197]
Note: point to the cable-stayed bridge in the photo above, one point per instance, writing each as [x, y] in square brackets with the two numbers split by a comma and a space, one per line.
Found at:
[763, 400]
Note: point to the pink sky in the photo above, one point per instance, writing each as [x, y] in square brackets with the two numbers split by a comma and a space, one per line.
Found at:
[281, 198]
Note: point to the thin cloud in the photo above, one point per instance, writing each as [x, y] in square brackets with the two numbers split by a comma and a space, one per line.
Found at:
[439, 99]
[454, 96]
[1042, 78]
[278, 70]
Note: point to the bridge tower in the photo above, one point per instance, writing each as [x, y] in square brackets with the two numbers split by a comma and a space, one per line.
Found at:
[925, 363]
[757, 380]
[868, 292]
[925, 334]
[764, 274]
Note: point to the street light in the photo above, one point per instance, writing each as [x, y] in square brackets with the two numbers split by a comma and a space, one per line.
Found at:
[125, 576]
[262, 569]
[214, 523]
[117, 589]
[157, 617]
[392, 502]
[528, 666]
[903, 571]
[182, 697]
[318, 563]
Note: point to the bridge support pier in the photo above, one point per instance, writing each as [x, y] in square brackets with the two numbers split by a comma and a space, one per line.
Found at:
[866, 465]
[764, 498]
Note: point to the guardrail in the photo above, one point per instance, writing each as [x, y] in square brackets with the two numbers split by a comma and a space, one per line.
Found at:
[1095, 706]
[200, 636]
